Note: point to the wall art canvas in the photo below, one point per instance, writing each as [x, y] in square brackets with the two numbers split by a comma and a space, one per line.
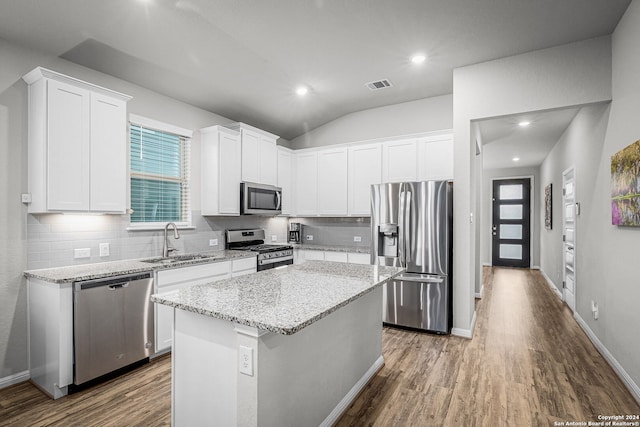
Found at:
[625, 186]
[547, 207]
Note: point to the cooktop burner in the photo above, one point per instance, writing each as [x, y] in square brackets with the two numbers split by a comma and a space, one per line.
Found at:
[262, 248]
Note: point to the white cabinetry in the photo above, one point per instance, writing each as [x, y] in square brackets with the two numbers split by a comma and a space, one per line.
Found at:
[399, 161]
[332, 182]
[306, 182]
[358, 258]
[336, 256]
[302, 255]
[77, 146]
[435, 158]
[178, 278]
[285, 179]
[259, 154]
[365, 169]
[221, 160]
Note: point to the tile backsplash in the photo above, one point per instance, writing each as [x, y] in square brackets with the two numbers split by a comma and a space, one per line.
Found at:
[336, 231]
[52, 238]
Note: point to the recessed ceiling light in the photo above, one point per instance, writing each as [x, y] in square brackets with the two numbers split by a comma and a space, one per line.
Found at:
[302, 90]
[516, 159]
[524, 124]
[418, 58]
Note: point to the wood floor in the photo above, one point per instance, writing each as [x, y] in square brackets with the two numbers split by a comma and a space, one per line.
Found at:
[529, 364]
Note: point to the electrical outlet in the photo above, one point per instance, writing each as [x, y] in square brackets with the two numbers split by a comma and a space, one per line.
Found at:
[274, 238]
[26, 198]
[245, 360]
[213, 242]
[309, 236]
[357, 238]
[104, 249]
[82, 253]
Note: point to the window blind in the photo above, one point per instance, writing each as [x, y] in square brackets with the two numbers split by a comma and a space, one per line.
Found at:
[160, 176]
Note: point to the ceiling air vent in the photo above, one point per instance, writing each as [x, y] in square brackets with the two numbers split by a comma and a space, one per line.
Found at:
[380, 84]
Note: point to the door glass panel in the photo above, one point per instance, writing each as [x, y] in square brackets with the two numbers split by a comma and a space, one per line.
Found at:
[511, 192]
[511, 251]
[510, 231]
[511, 212]
[569, 235]
[569, 212]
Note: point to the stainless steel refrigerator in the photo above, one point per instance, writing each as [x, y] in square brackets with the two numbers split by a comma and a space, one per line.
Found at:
[411, 227]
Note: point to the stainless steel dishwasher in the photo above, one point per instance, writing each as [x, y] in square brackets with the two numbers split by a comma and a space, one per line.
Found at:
[112, 324]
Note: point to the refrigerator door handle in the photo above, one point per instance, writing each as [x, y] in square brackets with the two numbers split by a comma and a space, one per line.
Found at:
[401, 226]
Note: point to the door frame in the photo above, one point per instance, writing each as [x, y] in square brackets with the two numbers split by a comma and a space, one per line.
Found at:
[572, 169]
[531, 213]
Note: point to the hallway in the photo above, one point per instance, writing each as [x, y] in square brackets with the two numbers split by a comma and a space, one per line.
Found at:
[529, 363]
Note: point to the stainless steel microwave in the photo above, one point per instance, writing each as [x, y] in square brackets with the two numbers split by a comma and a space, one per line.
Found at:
[260, 199]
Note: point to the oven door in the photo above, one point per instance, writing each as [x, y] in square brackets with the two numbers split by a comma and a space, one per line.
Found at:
[267, 264]
[259, 199]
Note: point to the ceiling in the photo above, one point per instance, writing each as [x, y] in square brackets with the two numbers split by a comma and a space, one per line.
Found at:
[242, 59]
[503, 139]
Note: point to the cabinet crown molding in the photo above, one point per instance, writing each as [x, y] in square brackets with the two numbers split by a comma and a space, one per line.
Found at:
[39, 73]
[238, 126]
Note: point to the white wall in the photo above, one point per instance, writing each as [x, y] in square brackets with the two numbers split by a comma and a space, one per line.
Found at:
[423, 115]
[568, 75]
[485, 234]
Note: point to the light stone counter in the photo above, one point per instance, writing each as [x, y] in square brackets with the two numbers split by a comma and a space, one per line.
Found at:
[76, 273]
[282, 301]
[333, 248]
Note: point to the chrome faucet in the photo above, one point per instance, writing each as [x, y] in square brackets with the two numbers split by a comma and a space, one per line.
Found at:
[166, 249]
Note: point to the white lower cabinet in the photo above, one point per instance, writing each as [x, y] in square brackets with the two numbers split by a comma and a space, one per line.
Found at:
[302, 255]
[178, 278]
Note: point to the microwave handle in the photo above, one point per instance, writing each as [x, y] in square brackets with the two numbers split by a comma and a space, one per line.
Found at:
[278, 200]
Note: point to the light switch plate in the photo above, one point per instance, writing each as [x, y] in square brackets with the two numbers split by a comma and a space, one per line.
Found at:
[309, 236]
[213, 242]
[274, 238]
[357, 238]
[104, 249]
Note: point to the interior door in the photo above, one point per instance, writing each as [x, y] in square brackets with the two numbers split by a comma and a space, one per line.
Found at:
[511, 230]
[569, 237]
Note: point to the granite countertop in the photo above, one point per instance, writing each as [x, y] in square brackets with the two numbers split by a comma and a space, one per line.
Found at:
[283, 301]
[333, 248]
[75, 273]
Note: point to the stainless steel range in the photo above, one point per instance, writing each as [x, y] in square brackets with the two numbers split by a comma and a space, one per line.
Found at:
[269, 256]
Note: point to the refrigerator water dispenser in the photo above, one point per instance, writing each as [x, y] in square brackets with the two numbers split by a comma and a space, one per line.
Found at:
[388, 240]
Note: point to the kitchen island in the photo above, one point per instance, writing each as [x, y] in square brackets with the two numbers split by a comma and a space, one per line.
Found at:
[275, 348]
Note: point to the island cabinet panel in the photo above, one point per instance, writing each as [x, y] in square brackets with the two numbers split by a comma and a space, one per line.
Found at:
[365, 169]
[221, 163]
[77, 145]
[332, 182]
[336, 256]
[358, 258]
[435, 158]
[399, 161]
[209, 388]
[179, 278]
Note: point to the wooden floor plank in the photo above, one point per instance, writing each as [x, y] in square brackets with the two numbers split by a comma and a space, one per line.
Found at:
[528, 364]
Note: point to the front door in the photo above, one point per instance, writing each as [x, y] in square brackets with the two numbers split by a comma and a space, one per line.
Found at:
[511, 222]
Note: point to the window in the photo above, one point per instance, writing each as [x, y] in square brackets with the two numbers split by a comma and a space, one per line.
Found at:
[160, 174]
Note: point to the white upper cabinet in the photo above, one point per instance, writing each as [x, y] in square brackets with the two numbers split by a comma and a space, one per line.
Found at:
[365, 169]
[332, 182]
[285, 179]
[435, 158]
[108, 142]
[399, 161]
[306, 183]
[259, 154]
[77, 149]
[221, 160]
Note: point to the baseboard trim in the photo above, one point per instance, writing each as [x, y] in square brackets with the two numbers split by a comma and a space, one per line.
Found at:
[14, 379]
[465, 333]
[352, 394]
[487, 264]
[481, 293]
[617, 367]
[552, 285]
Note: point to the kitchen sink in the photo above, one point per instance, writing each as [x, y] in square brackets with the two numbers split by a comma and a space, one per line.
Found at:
[180, 258]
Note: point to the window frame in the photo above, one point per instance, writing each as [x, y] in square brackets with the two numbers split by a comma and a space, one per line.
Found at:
[168, 128]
